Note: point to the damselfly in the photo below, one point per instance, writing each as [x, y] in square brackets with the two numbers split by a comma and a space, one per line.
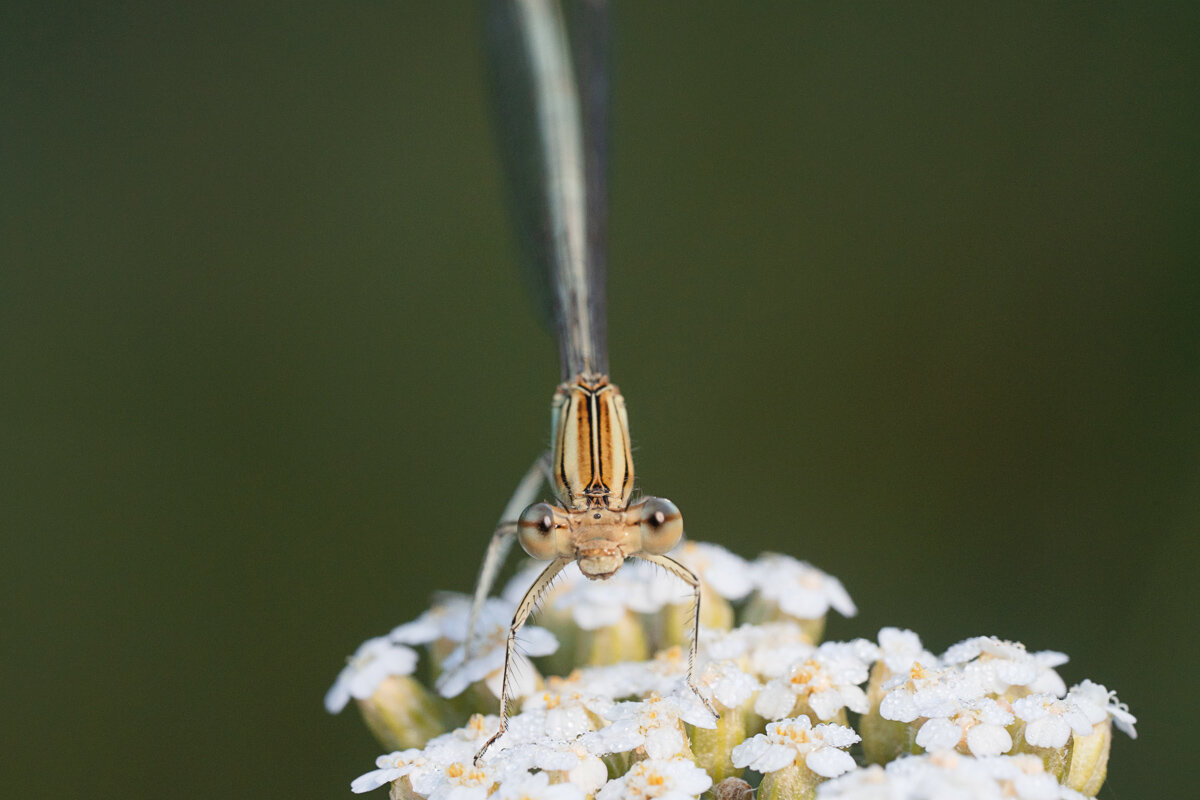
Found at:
[551, 83]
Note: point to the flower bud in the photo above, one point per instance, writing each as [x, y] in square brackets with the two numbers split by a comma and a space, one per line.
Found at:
[733, 789]
[402, 713]
[760, 610]
[713, 747]
[1087, 760]
[793, 782]
[623, 641]
[884, 739]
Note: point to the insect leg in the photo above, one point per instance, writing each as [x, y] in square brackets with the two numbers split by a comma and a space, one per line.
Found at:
[502, 539]
[687, 576]
[528, 603]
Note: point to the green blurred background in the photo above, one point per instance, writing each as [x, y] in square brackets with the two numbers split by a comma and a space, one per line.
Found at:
[910, 293]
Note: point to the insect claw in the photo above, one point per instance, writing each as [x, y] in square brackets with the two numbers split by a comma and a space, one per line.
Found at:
[478, 760]
[707, 704]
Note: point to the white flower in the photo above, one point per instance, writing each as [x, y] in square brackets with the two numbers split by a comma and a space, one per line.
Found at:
[729, 575]
[728, 683]
[998, 665]
[374, 661]
[765, 650]
[978, 725]
[487, 653]
[741, 642]
[570, 757]
[536, 787]
[856, 653]
[653, 724]
[915, 778]
[675, 779]
[447, 619]
[614, 681]
[462, 780]
[899, 649]
[927, 693]
[461, 744]
[1049, 721]
[563, 714]
[665, 671]
[425, 768]
[389, 768]
[799, 589]
[796, 741]
[1098, 702]
[869, 783]
[950, 776]
[1024, 777]
[827, 682]
[638, 587]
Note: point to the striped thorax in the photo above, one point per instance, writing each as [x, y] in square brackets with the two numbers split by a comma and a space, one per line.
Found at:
[592, 464]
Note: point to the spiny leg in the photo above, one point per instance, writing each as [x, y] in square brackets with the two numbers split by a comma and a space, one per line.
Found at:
[502, 539]
[528, 603]
[687, 576]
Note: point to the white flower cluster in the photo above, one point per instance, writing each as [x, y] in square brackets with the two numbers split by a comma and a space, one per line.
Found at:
[950, 775]
[611, 722]
[972, 697]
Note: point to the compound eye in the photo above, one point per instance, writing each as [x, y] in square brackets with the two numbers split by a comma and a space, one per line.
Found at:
[661, 525]
[535, 531]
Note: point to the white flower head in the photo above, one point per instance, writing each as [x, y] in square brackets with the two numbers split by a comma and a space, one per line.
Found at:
[450, 773]
[826, 682]
[664, 779]
[1098, 702]
[566, 756]
[564, 715]
[915, 778]
[899, 649]
[616, 681]
[486, 661]
[374, 661]
[998, 665]
[461, 780]
[425, 768]
[666, 674]
[390, 767]
[639, 587]
[977, 726]
[1025, 777]
[665, 671]
[728, 683]
[742, 641]
[536, 787]
[857, 654]
[799, 589]
[925, 692]
[868, 783]
[1049, 721]
[948, 776]
[796, 741]
[727, 574]
[446, 619]
[765, 650]
[461, 744]
[654, 724]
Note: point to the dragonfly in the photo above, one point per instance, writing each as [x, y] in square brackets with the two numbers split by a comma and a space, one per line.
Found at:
[550, 80]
